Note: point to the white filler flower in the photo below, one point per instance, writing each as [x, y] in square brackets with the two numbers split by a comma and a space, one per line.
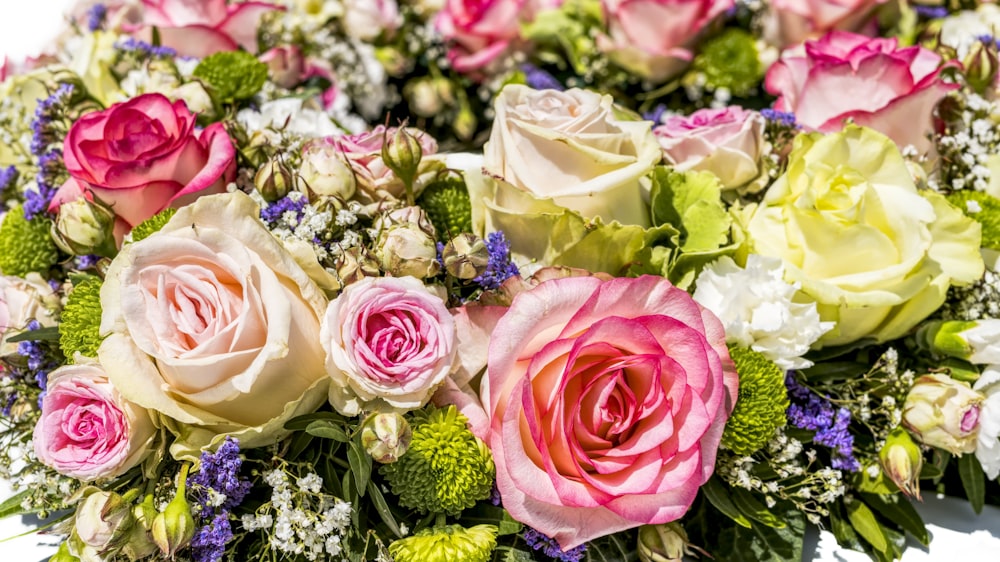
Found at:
[755, 305]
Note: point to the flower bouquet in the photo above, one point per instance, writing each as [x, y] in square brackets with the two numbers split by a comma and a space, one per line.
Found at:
[500, 279]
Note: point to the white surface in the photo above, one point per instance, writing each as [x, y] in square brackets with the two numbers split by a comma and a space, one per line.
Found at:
[27, 26]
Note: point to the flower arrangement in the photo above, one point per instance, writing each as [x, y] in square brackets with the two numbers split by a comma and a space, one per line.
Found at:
[500, 279]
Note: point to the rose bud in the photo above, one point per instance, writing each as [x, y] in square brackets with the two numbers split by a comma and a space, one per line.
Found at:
[355, 264]
[273, 180]
[944, 413]
[662, 543]
[85, 227]
[402, 152]
[386, 437]
[103, 521]
[173, 529]
[407, 250]
[901, 461]
[466, 256]
[326, 173]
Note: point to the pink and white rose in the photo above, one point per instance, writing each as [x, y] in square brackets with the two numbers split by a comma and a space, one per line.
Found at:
[390, 341]
[792, 21]
[479, 31]
[86, 429]
[728, 142]
[873, 82]
[655, 38]
[142, 156]
[198, 28]
[607, 401]
[212, 322]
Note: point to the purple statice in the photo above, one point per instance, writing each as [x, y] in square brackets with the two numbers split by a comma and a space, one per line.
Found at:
[539, 79]
[7, 177]
[50, 167]
[210, 540]
[499, 267]
[272, 213]
[50, 109]
[779, 117]
[144, 50]
[551, 548]
[813, 412]
[656, 114]
[86, 262]
[220, 472]
[95, 17]
[39, 360]
[989, 40]
[931, 12]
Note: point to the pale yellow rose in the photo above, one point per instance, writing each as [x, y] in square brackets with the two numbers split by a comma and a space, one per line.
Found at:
[212, 323]
[875, 254]
[572, 148]
[92, 60]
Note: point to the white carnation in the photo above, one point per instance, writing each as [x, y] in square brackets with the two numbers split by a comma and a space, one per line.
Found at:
[290, 115]
[988, 441]
[755, 306]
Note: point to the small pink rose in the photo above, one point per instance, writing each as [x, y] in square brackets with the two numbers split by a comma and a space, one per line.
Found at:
[654, 38]
[479, 31]
[363, 151]
[792, 21]
[873, 82]
[286, 65]
[198, 28]
[729, 142]
[607, 401]
[86, 429]
[390, 341]
[145, 155]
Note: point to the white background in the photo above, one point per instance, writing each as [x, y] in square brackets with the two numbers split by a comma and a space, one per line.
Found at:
[27, 26]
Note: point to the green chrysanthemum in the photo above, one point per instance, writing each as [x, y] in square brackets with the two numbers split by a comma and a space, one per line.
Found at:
[447, 204]
[80, 326]
[984, 209]
[760, 408]
[730, 61]
[446, 469]
[233, 75]
[152, 224]
[448, 543]
[26, 246]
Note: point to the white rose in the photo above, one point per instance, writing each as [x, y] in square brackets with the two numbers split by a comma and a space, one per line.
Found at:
[365, 20]
[570, 147]
[212, 323]
[23, 300]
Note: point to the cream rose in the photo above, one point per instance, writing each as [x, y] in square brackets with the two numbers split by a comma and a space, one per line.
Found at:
[23, 300]
[212, 323]
[572, 148]
[876, 255]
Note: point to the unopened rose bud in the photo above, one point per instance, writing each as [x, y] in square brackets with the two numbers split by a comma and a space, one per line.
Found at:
[466, 256]
[401, 152]
[423, 97]
[103, 521]
[981, 65]
[354, 265]
[326, 173]
[976, 341]
[465, 123]
[196, 97]
[274, 180]
[386, 437]
[944, 413]
[901, 461]
[412, 215]
[394, 62]
[662, 543]
[84, 227]
[174, 528]
[407, 250]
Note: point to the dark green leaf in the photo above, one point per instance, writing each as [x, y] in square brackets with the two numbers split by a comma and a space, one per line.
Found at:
[898, 509]
[42, 334]
[864, 522]
[511, 554]
[612, 548]
[508, 525]
[300, 442]
[843, 532]
[762, 543]
[718, 496]
[383, 509]
[361, 466]
[834, 371]
[13, 505]
[327, 430]
[973, 480]
[299, 423]
[749, 506]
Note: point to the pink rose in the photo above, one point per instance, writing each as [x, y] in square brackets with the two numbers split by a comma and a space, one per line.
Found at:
[286, 65]
[198, 28]
[479, 30]
[607, 401]
[363, 152]
[728, 142]
[145, 155]
[86, 429]
[389, 341]
[871, 81]
[792, 21]
[654, 38]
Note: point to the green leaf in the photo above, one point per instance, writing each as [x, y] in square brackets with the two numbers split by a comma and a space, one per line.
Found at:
[300, 443]
[361, 466]
[864, 522]
[762, 543]
[299, 423]
[511, 554]
[50, 333]
[612, 548]
[717, 495]
[232, 75]
[749, 506]
[383, 509]
[843, 532]
[691, 202]
[973, 480]
[12, 506]
[327, 430]
[898, 509]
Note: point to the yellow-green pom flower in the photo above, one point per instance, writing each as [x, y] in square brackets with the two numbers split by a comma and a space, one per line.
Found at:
[760, 408]
[446, 469]
[446, 203]
[152, 224]
[26, 246]
[984, 209]
[730, 61]
[80, 328]
[448, 543]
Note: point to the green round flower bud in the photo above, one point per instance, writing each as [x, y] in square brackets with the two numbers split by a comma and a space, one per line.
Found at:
[902, 461]
[273, 180]
[447, 204]
[386, 437]
[402, 153]
[446, 469]
[85, 227]
[26, 246]
[447, 543]
[80, 329]
[662, 543]
[152, 225]
[466, 256]
[760, 407]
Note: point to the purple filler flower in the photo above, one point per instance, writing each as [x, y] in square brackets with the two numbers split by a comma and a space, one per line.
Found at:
[550, 547]
[499, 268]
[812, 412]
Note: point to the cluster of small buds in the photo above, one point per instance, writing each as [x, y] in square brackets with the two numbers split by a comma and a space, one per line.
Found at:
[968, 143]
[299, 519]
